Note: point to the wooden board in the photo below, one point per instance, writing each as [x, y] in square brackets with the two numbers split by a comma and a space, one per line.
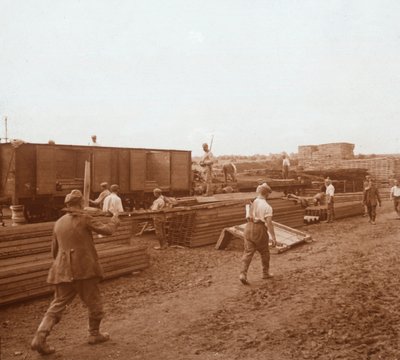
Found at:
[180, 170]
[286, 237]
[137, 170]
[45, 170]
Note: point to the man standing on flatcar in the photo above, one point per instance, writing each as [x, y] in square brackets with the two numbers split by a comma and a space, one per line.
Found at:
[75, 270]
[207, 162]
[104, 193]
[113, 203]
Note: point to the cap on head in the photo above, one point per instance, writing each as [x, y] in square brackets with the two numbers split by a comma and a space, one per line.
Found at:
[74, 197]
[157, 191]
[104, 184]
[114, 187]
[264, 189]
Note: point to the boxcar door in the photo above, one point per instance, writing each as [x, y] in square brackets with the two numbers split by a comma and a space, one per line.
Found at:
[137, 169]
[159, 164]
[104, 168]
[45, 170]
[180, 170]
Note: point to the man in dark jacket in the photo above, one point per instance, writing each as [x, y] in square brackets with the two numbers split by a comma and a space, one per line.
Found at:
[75, 270]
[371, 200]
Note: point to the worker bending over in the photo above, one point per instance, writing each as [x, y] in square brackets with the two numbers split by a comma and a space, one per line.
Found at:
[104, 193]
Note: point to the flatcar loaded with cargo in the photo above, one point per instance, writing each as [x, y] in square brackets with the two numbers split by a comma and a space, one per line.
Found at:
[39, 176]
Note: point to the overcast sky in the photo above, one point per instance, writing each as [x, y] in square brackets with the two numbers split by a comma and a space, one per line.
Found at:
[262, 76]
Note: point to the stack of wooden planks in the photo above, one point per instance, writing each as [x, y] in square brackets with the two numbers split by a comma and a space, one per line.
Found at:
[25, 258]
[202, 224]
[342, 210]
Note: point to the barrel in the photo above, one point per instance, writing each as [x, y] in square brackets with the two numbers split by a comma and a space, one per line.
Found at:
[17, 215]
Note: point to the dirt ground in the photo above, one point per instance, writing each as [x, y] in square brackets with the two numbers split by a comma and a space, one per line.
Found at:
[335, 298]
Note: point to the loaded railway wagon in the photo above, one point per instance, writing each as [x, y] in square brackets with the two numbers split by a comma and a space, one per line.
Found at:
[39, 176]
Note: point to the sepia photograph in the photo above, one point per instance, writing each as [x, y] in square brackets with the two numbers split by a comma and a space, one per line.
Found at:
[199, 180]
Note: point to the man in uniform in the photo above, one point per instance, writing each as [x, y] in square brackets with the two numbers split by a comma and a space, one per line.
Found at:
[104, 193]
[113, 203]
[75, 270]
[207, 162]
[256, 238]
[371, 199]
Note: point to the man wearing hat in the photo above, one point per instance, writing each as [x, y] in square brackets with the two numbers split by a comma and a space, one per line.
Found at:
[207, 162]
[75, 270]
[113, 203]
[158, 220]
[371, 199]
[256, 237]
[104, 193]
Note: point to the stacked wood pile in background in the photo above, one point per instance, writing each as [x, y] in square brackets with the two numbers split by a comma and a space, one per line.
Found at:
[342, 210]
[25, 258]
[340, 156]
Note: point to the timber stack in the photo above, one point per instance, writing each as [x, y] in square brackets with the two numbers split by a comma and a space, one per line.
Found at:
[26, 259]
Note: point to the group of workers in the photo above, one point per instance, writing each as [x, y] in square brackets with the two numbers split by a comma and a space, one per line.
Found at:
[76, 269]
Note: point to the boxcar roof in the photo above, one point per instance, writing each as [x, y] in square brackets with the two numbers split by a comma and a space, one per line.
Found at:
[95, 147]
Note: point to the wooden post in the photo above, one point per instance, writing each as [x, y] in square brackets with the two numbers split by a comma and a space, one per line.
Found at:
[86, 185]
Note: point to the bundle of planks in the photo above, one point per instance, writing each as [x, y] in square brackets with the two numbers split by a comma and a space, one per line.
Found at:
[202, 224]
[25, 258]
[342, 210]
[36, 238]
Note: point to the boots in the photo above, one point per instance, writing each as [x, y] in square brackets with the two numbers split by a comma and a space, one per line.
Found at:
[95, 336]
[40, 345]
[39, 341]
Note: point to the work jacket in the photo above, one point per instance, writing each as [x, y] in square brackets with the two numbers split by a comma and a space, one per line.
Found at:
[371, 196]
[73, 250]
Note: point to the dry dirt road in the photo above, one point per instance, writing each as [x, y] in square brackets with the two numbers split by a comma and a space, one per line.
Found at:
[335, 298]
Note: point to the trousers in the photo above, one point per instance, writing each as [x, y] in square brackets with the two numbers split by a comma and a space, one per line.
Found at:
[256, 239]
[371, 211]
[89, 292]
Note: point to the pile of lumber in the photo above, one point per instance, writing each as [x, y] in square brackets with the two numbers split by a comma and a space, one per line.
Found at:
[202, 224]
[36, 238]
[26, 258]
[25, 277]
[342, 210]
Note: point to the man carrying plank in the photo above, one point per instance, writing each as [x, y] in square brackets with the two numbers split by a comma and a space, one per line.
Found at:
[75, 270]
[104, 193]
[256, 238]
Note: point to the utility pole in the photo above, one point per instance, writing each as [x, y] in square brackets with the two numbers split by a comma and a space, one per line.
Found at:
[5, 124]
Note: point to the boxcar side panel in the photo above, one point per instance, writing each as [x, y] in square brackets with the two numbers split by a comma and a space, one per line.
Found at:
[25, 174]
[101, 169]
[123, 170]
[45, 170]
[137, 169]
[7, 170]
[180, 170]
[159, 164]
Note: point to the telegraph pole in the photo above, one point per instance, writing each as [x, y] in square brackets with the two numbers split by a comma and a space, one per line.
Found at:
[5, 124]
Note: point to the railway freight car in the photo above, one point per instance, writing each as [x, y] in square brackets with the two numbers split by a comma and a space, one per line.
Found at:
[39, 176]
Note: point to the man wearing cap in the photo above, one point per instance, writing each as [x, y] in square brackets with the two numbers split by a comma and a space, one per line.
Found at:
[113, 203]
[256, 238]
[158, 220]
[94, 141]
[207, 162]
[75, 270]
[371, 199]
[104, 193]
[330, 195]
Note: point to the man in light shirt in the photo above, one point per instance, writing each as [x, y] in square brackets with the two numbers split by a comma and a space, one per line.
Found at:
[330, 194]
[207, 162]
[285, 167]
[159, 219]
[104, 193]
[256, 237]
[113, 203]
[395, 196]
